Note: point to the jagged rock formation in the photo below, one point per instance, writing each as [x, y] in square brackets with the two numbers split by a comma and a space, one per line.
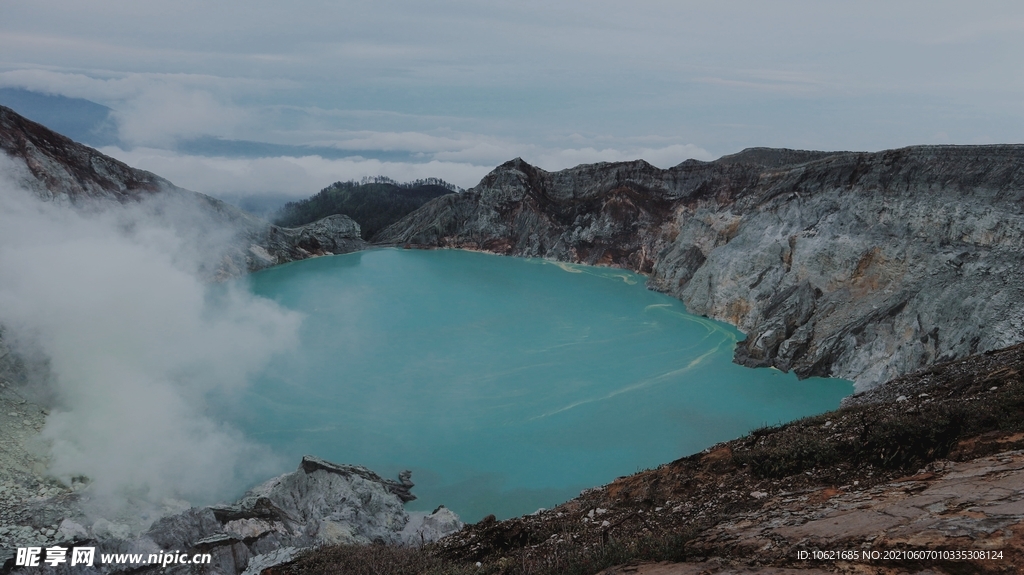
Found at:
[320, 503]
[233, 242]
[856, 265]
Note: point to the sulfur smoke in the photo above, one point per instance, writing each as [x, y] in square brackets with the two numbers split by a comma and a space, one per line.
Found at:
[134, 343]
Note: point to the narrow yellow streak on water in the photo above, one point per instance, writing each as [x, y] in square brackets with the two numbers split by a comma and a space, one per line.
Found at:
[608, 273]
[638, 385]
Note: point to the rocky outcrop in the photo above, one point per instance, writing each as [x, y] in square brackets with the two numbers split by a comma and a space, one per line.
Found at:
[401, 488]
[31, 504]
[320, 503]
[864, 266]
[230, 240]
[62, 170]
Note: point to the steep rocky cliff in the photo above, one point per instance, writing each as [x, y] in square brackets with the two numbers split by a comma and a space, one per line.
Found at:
[231, 241]
[864, 266]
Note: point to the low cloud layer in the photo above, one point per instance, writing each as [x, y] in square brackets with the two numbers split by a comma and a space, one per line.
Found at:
[151, 109]
[298, 177]
[301, 177]
[719, 75]
[136, 345]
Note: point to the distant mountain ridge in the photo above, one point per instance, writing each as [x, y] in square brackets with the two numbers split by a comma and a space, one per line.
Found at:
[77, 118]
[375, 203]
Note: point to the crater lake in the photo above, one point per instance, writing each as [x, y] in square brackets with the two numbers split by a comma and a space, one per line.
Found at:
[504, 384]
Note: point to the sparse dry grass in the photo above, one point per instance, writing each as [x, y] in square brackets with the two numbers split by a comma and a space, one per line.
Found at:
[897, 436]
[569, 560]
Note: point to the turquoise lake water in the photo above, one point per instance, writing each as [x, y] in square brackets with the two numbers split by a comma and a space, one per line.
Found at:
[504, 384]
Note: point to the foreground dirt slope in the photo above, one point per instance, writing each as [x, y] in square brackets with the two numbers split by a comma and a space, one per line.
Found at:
[975, 506]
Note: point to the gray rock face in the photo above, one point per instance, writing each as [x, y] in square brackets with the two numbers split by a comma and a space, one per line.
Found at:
[230, 240]
[333, 233]
[864, 266]
[320, 503]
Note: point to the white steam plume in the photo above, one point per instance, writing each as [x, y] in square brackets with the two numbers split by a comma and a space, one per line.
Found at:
[134, 344]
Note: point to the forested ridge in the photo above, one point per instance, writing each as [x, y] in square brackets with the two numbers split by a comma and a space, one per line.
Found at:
[374, 203]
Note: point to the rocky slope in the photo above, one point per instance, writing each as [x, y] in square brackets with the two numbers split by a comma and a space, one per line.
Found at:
[320, 503]
[231, 241]
[864, 266]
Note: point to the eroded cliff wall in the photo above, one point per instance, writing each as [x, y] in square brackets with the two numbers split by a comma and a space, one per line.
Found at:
[857, 265]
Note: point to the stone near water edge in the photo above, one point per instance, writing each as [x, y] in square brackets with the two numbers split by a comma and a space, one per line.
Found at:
[424, 528]
[326, 234]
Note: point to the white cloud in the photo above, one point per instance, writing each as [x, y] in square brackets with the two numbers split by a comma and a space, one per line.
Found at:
[162, 114]
[303, 176]
[135, 346]
[152, 109]
[402, 141]
[108, 87]
[299, 177]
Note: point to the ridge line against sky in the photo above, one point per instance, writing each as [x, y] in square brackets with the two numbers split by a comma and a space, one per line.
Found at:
[250, 98]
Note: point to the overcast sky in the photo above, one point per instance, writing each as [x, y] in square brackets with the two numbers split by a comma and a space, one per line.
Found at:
[450, 89]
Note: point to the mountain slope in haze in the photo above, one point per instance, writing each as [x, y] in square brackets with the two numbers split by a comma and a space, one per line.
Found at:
[57, 169]
[77, 118]
[375, 203]
[864, 266]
